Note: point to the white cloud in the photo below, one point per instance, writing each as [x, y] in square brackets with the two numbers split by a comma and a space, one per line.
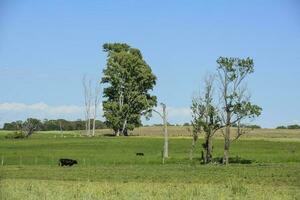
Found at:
[40, 107]
[20, 111]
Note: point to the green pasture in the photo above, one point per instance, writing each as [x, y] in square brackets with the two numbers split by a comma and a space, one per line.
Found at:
[109, 168]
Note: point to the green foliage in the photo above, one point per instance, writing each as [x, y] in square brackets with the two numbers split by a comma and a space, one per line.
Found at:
[232, 72]
[205, 117]
[236, 68]
[128, 79]
[17, 125]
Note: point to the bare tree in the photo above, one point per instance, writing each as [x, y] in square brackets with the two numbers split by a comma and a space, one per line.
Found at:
[87, 87]
[165, 124]
[206, 119]
[30, 126]
[166, 139]
[96, 104]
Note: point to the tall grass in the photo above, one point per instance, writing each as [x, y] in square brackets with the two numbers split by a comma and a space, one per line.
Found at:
[83, 190]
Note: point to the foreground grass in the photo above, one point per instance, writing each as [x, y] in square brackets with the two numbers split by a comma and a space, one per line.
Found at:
[109, 169]
[56, 190]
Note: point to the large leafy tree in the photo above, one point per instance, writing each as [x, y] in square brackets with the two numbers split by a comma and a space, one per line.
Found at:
[128, 80]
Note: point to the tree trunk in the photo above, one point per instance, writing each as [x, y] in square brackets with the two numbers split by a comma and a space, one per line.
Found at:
[166, 143]
[125, 132]
[226, 145]
[89, 126]
[124, 129]
[117, 133]
[193, 146]
[94, 126]
[209, 147]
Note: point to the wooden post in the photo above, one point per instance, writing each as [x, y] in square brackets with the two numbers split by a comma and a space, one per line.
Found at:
[2, 160]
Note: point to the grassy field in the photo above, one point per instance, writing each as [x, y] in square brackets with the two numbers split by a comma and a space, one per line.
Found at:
[109, 169]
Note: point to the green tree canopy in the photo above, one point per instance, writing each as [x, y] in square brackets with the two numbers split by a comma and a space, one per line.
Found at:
[128, 80]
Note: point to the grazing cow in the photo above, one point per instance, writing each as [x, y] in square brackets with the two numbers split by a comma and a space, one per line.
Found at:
[67, 162]
[140, 154]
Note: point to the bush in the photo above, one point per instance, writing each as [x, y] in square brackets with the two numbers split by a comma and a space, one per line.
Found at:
[294, 126]
[15, 135]
[280, 127]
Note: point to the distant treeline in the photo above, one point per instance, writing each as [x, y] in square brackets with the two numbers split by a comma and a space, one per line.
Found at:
[54, 125]
[294, 126]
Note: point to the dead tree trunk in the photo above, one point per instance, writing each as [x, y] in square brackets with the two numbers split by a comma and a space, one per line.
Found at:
[87, 102]
[96, 103]
[61, 130]
[194, 140]
[166, 142]
[227, 140]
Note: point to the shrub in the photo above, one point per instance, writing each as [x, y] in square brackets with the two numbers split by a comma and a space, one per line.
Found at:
[294, 126]
[15, 135]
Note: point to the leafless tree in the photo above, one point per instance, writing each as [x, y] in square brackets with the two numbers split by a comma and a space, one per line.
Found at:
[30, 126]
[96, 104]
[163, 116]
[206, 119]
[87, 91]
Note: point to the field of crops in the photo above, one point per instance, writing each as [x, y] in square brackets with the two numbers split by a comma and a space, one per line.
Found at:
[109, 168]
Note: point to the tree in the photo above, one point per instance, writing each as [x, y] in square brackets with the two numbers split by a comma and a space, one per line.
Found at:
[96, 103]
[128, 80]
[87, 91]
[206, 119]
[30, 126]
[236, 104]
[165, 125]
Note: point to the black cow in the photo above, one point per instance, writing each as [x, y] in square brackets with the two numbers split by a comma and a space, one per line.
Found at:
[140, 154]
[67, 162]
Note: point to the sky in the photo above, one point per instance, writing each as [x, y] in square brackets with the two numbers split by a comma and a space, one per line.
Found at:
[46, 47]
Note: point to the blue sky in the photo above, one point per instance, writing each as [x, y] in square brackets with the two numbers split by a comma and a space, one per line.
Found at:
[47, 46]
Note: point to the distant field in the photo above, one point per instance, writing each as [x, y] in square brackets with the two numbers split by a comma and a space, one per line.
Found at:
[180, 131]
[109, 169]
